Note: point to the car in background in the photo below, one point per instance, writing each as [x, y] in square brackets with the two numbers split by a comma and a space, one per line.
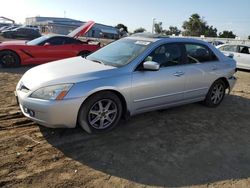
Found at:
[22, 33]
[9, 28]
[32, 27]
[127, 77]
[241, 53]
[216, 42]
[47, 48]
[3, 28]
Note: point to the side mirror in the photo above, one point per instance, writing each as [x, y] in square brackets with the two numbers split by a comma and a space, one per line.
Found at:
[230, 55]
[151, 65]
[47, 44]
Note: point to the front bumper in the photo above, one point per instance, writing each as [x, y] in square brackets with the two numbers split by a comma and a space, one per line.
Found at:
[54, 114]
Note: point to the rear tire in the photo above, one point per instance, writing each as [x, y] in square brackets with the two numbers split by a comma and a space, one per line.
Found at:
[215, 94]
[9, 59]
[100, 112]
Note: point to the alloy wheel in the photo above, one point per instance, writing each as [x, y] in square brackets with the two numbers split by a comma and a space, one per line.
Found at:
[8, 60]
[102, 114]
[217, 93]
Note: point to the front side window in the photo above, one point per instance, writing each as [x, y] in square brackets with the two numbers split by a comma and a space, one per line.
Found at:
[38, 41]
[166, 55]
[197, 53]
[72, 41]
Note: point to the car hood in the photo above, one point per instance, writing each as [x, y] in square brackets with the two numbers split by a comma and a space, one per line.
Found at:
[18, 42]
[82, 30]
[71, 70]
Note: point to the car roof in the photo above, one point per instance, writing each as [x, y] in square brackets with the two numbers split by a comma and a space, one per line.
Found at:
[156, 37]
[57, 35]
[234, 44]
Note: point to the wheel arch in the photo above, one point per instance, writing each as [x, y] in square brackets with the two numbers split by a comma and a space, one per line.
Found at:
[225, 82]
[18, 55]
[125, 111]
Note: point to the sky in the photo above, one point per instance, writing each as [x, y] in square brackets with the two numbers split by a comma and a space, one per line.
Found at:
[222, 14]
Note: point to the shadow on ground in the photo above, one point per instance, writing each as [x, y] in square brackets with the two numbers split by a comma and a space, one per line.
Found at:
[19, 70]
[183, 146]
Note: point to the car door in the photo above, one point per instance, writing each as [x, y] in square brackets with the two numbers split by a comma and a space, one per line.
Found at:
[19, 33]
[73, 46]
[56, 48]
[243, 56]
[155, 89]
[201, 68]
[232, 49]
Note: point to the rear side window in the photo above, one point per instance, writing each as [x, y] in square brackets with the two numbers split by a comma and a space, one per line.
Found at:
[197, 53]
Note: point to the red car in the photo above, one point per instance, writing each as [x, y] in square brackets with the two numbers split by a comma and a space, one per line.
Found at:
[46, 48]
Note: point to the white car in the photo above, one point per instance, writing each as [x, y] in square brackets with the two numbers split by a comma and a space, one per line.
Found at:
[241, 53]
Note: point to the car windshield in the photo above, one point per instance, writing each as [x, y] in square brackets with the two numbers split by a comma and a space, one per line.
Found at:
[37, 41]
[119, 53]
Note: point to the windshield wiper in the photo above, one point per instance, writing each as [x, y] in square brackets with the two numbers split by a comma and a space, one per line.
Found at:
[97, 61]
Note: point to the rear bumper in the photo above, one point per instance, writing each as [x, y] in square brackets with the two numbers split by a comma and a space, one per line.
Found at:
[232, 80]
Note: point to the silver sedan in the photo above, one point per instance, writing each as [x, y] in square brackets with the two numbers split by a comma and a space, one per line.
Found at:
[132, 75]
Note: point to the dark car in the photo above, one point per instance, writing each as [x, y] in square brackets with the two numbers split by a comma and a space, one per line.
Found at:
[3, 28]
[9, 28]
[22, 32]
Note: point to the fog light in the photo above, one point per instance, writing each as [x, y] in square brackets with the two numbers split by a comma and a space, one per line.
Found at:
[25, 110]
[31, 113]
[28, 111]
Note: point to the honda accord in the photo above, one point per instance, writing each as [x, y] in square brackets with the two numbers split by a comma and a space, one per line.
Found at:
[133, 75]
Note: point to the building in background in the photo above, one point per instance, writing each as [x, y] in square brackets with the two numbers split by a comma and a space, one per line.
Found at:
[66, 25]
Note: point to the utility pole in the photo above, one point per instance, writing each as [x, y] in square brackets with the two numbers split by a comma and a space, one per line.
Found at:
[153, 26]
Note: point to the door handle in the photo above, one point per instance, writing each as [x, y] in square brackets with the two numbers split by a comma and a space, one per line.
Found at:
[178, 73]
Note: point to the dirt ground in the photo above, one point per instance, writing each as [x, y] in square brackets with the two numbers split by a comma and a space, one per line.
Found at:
[188, 146]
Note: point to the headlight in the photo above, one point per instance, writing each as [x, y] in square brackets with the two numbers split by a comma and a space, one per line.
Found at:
[56, 92]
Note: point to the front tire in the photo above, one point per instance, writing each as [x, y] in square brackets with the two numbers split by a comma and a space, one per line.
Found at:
[100, 113]
[9, 59]
[215, 94]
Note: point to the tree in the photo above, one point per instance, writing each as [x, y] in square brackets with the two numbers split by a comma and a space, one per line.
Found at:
[123, 27]
[249, 37]
[227, 34]
[139, 30]
[158, 27]
[210, 31]
[172, 31]
[196, 26]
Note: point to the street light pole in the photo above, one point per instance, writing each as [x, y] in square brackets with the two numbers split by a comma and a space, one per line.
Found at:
[153, 26]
